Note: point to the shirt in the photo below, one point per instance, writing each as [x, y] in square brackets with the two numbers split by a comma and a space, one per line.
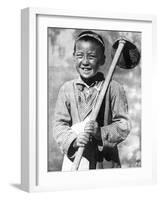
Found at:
[86, 95]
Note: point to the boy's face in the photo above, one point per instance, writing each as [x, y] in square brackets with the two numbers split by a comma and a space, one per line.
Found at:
[87, 58]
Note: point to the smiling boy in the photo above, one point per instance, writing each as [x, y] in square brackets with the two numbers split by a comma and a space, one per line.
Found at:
[75, 102]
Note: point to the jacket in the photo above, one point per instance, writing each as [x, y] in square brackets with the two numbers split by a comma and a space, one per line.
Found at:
[113, 119]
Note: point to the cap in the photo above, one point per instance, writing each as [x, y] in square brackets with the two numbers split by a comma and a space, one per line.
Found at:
[91, 34]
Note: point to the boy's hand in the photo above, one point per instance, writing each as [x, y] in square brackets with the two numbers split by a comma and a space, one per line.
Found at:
[81, 140]
[93, 129]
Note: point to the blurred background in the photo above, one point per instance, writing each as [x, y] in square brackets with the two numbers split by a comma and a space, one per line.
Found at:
[61, 69]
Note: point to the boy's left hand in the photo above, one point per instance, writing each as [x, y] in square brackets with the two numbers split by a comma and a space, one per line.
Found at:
[93, 129]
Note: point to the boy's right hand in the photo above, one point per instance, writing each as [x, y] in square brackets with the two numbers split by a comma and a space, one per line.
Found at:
[81, 140]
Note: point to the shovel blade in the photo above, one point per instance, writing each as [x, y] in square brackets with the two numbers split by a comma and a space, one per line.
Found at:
[130, 55]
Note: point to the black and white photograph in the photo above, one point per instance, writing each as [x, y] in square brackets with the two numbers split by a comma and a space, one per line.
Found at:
[94, 97]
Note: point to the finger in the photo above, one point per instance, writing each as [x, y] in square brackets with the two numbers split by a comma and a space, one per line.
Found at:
[90, 123]
[83, 139]
[92, 126]
[80, 145]
[95, 124]
[84, 134]
[89, 130]
[89, 126]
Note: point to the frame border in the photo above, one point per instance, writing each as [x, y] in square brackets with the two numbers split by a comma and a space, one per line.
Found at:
[29, 144]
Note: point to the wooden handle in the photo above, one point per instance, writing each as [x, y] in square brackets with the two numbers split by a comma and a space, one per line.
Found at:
[77, 159]
[108, 77]
[97, 107]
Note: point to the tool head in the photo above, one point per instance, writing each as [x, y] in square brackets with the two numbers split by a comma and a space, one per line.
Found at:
[130, 55]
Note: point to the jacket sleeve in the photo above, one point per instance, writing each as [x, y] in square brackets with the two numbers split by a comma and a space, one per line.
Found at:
[63, 133]
[119, 128]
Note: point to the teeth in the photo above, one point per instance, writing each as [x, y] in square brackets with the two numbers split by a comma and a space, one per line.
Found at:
[86, 69]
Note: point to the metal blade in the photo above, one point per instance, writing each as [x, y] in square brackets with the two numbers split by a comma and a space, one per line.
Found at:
[130, 55]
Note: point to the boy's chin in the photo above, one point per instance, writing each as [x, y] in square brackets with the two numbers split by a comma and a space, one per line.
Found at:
[87, 76]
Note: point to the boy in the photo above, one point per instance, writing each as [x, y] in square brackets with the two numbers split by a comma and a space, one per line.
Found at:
[75, 102]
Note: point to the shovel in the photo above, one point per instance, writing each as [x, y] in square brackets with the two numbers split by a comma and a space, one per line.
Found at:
[126, 55]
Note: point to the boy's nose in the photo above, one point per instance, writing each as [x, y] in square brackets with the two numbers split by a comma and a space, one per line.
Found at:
[85, 61]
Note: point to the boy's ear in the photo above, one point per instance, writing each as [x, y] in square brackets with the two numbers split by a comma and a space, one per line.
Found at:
[102, 60]
[73, 55]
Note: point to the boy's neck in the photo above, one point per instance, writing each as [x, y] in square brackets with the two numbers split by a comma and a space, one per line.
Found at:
[97, 77]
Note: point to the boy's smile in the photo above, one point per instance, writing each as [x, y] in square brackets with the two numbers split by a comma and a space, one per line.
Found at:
[87, 58]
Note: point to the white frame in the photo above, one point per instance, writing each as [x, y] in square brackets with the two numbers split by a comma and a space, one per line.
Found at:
[29, 108]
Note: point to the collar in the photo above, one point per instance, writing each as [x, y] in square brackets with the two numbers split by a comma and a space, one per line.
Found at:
[99, 77]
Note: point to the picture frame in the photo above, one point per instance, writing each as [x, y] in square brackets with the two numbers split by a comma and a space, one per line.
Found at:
[34, 81]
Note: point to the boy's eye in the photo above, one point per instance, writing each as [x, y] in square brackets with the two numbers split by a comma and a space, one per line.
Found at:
[79, 55]
[92, 56]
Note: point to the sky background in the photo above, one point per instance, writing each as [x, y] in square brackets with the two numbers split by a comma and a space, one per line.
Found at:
[61, 69]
